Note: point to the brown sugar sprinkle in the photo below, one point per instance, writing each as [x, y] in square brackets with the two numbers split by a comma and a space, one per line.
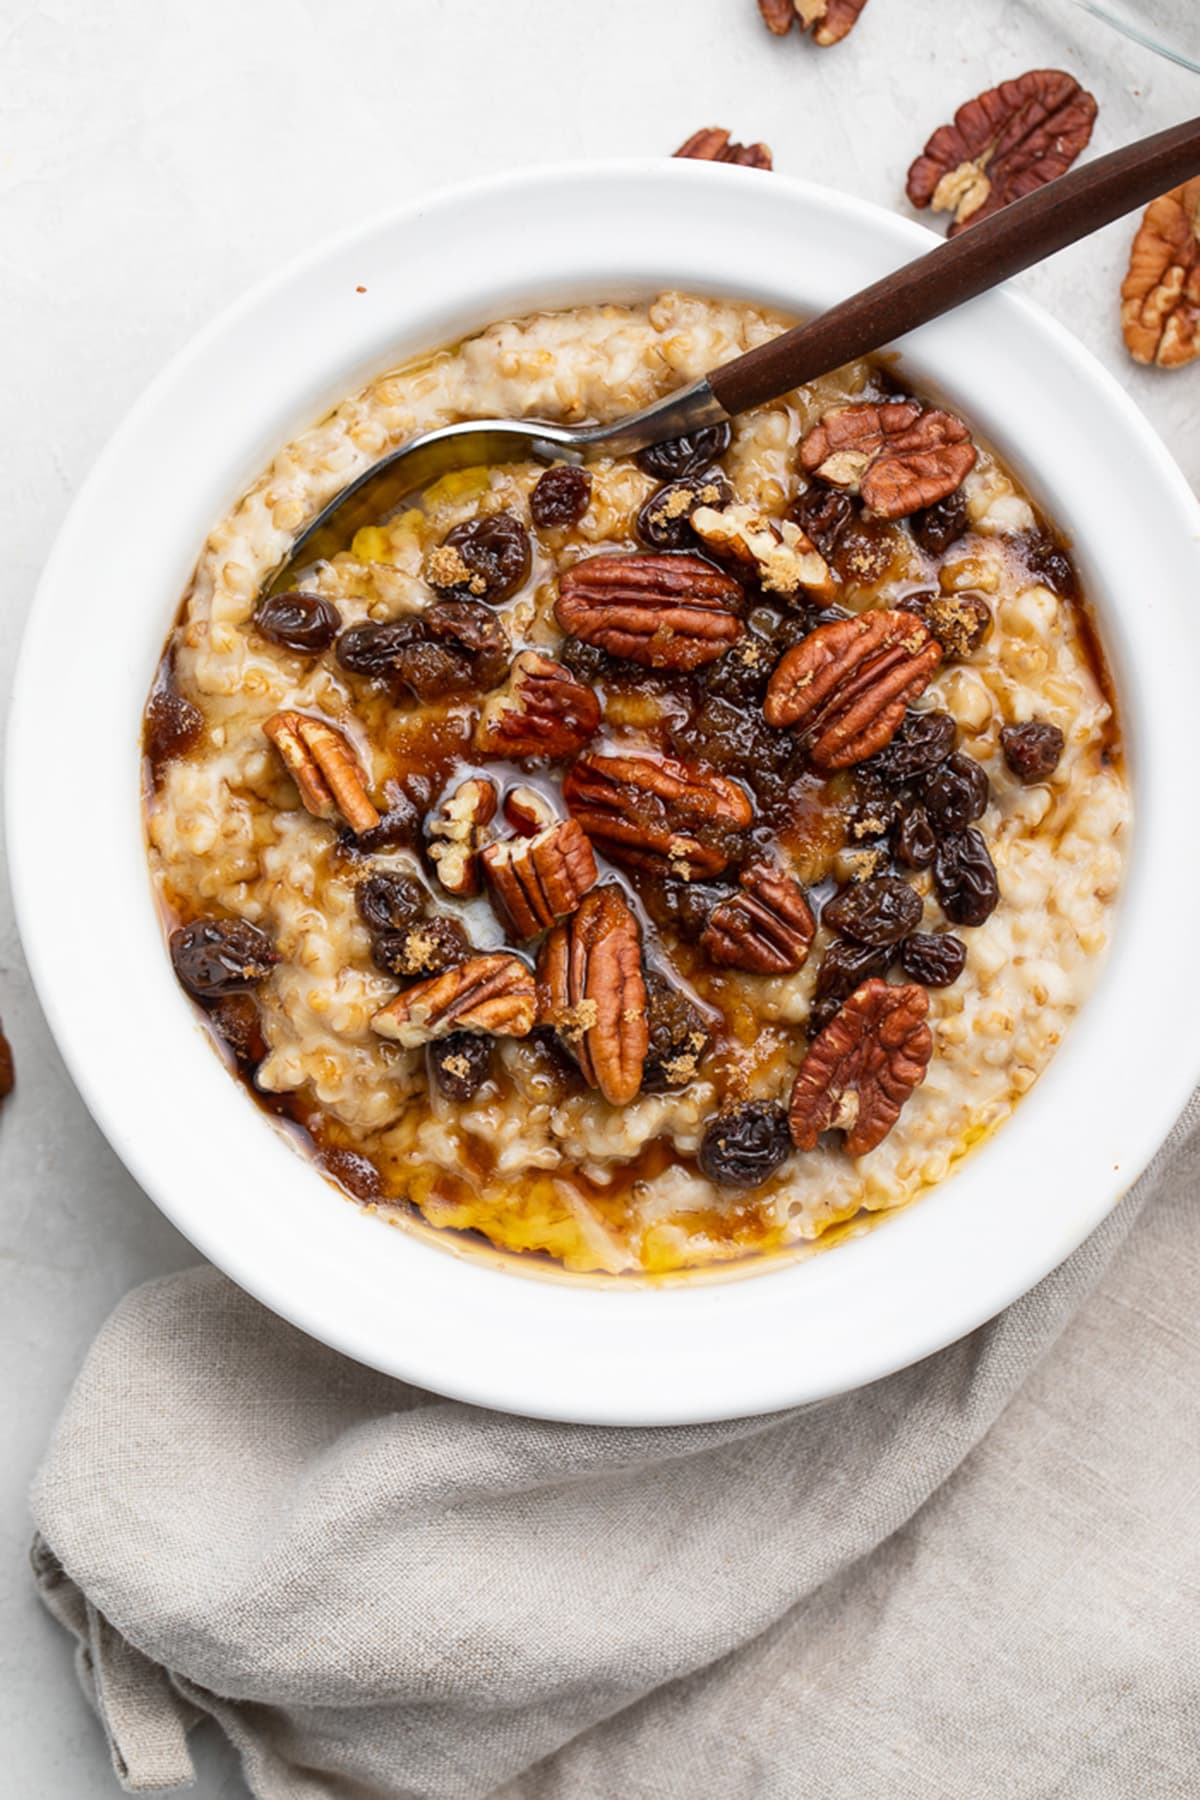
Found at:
[712, 144]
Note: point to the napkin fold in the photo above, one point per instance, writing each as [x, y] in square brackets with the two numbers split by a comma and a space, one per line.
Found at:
[978, 1576]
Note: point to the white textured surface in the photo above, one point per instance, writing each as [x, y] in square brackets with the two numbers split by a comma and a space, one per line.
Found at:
[154, 160]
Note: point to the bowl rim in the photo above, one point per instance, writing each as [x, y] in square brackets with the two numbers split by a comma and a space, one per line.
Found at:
[665, 1349]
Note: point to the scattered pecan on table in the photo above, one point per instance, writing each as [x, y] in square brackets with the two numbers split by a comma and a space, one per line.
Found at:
[898, 454]
[712, 144]
[828, 20]
[1160, 296]
[1003, 144]
[862, 1067]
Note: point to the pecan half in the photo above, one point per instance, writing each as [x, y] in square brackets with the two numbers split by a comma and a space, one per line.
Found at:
[528, 811]
[862, 1068]
[455, 831]
[775, 551]
[592, 991]
[828, 20]
[658, 813]
[767, 929]
[711, 144]
[1007, 142]
[494, 993]
[1160, 296]
[543, 711]
[896, 453]
[665, 612]
[324, 767]
[846, 685]
[539, 880]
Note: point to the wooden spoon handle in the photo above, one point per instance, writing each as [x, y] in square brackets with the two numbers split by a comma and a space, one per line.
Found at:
[1022, 233]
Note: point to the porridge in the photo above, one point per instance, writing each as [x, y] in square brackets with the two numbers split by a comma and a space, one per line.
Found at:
[652, 864]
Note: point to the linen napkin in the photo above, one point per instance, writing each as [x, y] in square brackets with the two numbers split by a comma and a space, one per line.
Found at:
[977, 1577]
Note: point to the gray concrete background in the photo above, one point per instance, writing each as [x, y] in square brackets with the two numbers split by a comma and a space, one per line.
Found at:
[157, 158]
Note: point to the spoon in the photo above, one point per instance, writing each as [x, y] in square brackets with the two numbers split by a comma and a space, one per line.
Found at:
[1021, 234]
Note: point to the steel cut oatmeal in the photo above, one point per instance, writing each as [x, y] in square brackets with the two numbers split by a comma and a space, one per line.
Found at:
[648, 864]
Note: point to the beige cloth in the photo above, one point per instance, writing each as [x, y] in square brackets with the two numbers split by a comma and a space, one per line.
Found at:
[977, 1578]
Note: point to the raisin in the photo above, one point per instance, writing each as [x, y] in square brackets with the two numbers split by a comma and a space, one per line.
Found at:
[388, 901]
[586, 662]
[432, 672]
[844, 967]
[879, 911]
[685, 455]
[742, 674]
[425, 947]
[665, 520]
[1032, 750]
[221, 956]
[937, 527]
[959, 622]
[934, 958]
[964, 876]
[460, 1063]
[560, 496]
[924, 740]
[823, 514]
[874, 813]
[353, 1171]
[1049, 563]
[737, 741]
[488, 560]
[234, 1018]
[374, 650]
[475, 631]
[299, 621]
[399, 828]
[956, 793]
[685, 905]
[679, 1036]
[172, 724]
[745, 1145]
[916, 840]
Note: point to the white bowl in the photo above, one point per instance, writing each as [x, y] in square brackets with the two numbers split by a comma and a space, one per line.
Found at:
[573, 1348]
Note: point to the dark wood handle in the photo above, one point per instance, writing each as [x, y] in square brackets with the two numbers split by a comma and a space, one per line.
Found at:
[1022, 233]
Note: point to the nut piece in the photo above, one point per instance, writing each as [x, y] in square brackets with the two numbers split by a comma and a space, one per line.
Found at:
[895, 453]
[665, 612]
[528, 811]
[592, 991]
[324, 768]
[828, 20]
[543, 711]
[711, 144]
[539, 880]
[493, 993]
[767, 929]
[846, 685]
[861, 1069]
[1160, 296]
[775, 551]
[456, 831]
[657, 813]
[1011, 140]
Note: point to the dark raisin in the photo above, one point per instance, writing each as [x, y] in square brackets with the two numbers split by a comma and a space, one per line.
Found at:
[236, 1021]
[742, 674]
[172, 724]
[937, 527]
[484, 559]
[388, 901]
[956, 793]
[471, 628]
[1049, 563]
[685, 455]
[823, 514]
[665, 520]
[844, 967]
[398, 829]
[586, 662]
[1032, 750]
[916, 840]
[460, 1063]
[737, 740]
[879, 911]
[221, 956]
[745, 1145]
[965, 878]
[923, 741]
[874, 812]
[299, 621]
[679, 1036]
[432, 671]
[959, 622]
[374, 650]
[934, 958]
[353, 1171]
[425, 947]
[685, 905]
[560, 496]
